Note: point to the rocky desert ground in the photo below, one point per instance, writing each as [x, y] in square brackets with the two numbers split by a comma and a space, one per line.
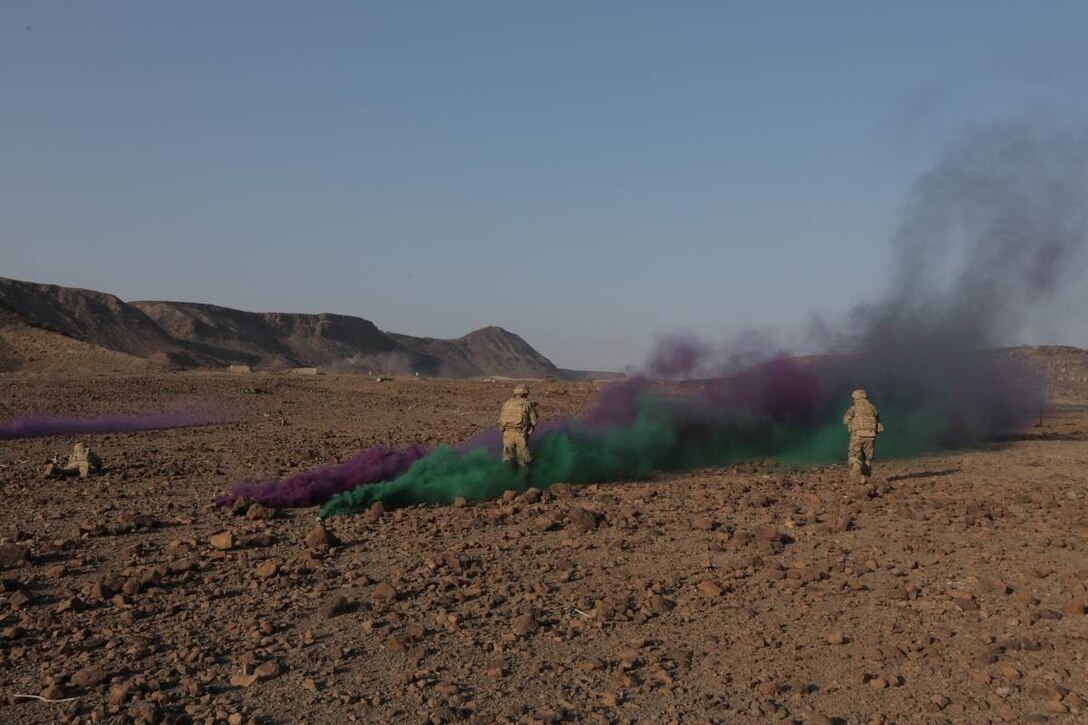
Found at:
[952, 589]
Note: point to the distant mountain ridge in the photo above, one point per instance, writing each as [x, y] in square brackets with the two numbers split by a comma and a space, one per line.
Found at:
[190, 334]
[482, 351]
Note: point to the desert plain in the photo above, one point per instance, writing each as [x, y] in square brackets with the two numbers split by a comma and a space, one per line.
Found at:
[950, 589]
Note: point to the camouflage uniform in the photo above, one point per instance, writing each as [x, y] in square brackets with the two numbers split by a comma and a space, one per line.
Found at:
[863, 422]
[517, 421]
[83, 461]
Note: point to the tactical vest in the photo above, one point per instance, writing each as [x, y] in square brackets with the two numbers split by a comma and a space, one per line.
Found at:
[864, 421]
[515, 414]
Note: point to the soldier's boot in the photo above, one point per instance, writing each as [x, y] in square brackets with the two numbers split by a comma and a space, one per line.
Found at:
[84, 469]
[50, 470]
[521, 471]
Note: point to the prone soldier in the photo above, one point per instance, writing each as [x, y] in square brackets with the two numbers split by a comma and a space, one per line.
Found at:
[82, 461]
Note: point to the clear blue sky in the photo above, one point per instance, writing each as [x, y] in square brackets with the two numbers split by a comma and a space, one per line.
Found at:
[587, 174]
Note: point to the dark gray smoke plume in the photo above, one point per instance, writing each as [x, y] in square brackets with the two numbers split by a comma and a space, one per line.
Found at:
[988, 239]
[989, 235]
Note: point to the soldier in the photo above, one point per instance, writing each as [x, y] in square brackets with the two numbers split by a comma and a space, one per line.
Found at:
[83, 461]
[863, 422]
[517, 421]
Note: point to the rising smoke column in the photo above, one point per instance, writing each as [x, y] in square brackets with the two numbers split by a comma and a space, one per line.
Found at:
[40, 426]
[989, 238]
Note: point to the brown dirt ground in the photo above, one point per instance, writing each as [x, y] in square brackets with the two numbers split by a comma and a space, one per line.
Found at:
[951, 591]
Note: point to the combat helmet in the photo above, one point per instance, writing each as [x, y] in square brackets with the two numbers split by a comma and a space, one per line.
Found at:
[858, 394]
[521, 390]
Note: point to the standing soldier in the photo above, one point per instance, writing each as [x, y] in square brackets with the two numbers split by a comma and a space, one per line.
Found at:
[863, 422]
[517, 421]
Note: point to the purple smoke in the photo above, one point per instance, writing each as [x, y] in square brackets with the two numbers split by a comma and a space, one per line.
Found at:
[309, 488]
[991, 237]
[40, 426]
[617, 405]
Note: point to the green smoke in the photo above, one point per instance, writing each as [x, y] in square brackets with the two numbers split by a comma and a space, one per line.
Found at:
[665, 436]
[783, 411]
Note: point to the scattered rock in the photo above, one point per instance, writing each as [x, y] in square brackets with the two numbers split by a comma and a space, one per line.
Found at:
[71, 604]
[267, 670]
[13, 554]
[980, 677]
[223, 541]
[257, 512]
[710, 588]
[547, 522]
[89, 676]
[384, 592]
[525, 624]
[118, 694]
[582, 520]
[320, 538]
[243, 680]
[337, 604]
[52, 692]
[561, 490]
[1074, 608]
[702, 523]
[267, 569]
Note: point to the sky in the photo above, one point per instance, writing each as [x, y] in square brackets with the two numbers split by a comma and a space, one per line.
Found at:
[589, 175]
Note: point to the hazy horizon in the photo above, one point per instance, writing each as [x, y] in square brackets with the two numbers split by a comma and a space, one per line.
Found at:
[588, 177]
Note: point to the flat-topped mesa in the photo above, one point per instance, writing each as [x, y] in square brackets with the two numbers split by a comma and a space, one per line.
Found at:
[190, 334]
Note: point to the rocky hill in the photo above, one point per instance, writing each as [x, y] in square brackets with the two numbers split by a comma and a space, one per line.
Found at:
[188, 334]
[95, 317]
[274, 339]
[487, 351]
[28, 349]
[1065, 369]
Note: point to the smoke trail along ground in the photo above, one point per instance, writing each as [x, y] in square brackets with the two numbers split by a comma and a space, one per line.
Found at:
[1007, 200]
[616, 405]
[40, 426]
[782, 410]
[310, 488]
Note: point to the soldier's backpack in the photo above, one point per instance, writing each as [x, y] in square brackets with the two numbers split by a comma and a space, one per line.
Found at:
[514, 413]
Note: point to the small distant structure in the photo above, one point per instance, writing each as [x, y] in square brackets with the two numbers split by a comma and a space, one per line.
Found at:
[303, 371]
[240, 369]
